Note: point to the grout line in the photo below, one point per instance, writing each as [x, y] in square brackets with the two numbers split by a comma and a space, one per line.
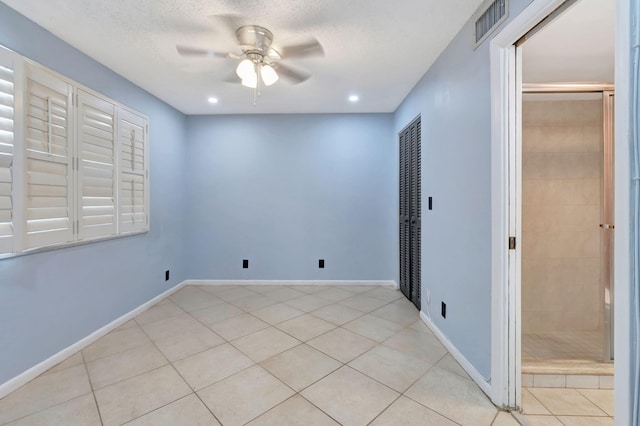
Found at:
[93, 392]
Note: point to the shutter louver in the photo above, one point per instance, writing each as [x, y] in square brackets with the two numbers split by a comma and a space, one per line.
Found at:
[133, 189]
[48, 160]
[7, 146]
[96, 168]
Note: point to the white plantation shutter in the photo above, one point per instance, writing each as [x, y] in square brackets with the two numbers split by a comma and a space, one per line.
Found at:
[48, 159]
[7, 149]
[97, 165]
[133, 187]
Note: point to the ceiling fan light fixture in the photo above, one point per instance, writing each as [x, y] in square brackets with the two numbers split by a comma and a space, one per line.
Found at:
[268, 74]
[246, 70]
[251, 82]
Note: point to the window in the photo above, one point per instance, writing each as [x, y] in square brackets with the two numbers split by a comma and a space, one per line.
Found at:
[73, 163]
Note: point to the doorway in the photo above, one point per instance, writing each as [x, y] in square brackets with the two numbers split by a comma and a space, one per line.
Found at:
[410, 210]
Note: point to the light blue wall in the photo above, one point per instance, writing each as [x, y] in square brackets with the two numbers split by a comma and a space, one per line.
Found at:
[454, 100]
[51, 300]
[286, 190]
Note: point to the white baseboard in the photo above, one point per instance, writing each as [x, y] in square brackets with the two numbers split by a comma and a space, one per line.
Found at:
[24, 378]
[464, 362]
[388, 283]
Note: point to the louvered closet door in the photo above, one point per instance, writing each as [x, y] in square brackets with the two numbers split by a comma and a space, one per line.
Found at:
[96, 171]
[416, 212]
[48, 160]
[410, 211]
[132, 183]
[7, 149]
[405, 246]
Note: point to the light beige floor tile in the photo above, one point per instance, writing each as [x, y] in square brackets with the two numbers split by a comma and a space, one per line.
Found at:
[530, 405]
[306, 327]
[72, 361]
[115, 342]
[334, 294]
[386, 294]
[277, 313]
[253, 303]
[236, 293]
[129, 324]
[282, 294]
[398, 312]
[216, 289]
[601, 397]
[421, 327]
[213, 365]
[537, 420]
[301, 366]
[342, 344]
[186, 411]
[81, 411]
[175, 325]
[308, 303]
[43, 392]
[337, 314]
[159, 312]
[423, 345]
[350, 397]
[244, 396]
[449, 363]
[582, 382]
[405, 412]
[239, 326]
[505, 419]
[180, 346]
[358, 289]
[265, 343]
[295, 411]
[217, 313]
[114, 368]
[310, 289]
[393, 368]
[454, 397]
[363, 303]
[139, 395]
[566, 402]
[374, 328]
[549, 380]
[586, 421]
[191, 298]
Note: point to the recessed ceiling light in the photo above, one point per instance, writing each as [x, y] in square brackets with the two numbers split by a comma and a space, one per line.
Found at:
[354, 98]
[213, 100]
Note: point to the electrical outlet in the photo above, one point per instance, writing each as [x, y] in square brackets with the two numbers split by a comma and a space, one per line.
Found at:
[321, 263]
[245, 263]
[428, 294]
[166, 275]
[443, 311]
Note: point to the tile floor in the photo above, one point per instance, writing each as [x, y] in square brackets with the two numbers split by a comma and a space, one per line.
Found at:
[278, 355]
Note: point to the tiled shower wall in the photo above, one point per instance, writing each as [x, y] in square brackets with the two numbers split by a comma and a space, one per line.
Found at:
[561, 205]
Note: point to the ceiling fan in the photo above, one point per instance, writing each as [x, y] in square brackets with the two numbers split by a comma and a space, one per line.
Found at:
[260, 60]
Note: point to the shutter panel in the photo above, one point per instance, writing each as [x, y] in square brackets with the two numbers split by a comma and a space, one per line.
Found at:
[416, 212]
[7, 147]
[133, 182]
[48, 160]
[96, 168]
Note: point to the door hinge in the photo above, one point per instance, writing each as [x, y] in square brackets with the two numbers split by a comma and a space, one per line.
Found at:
[512, 243]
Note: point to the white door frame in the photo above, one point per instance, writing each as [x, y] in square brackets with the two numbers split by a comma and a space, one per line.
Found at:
[505, 205]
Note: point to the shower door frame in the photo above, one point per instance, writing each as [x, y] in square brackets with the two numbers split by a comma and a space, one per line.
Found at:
[607, 91]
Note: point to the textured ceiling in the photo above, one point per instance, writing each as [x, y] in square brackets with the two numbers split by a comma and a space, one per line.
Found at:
[377, 49]
[578, 46]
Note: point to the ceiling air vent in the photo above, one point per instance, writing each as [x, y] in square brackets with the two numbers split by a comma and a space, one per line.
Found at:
[491, 14]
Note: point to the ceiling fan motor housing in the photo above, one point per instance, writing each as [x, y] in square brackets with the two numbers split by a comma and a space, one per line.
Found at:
[254, 39]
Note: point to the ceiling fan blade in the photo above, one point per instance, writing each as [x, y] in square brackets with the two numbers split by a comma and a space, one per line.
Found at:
[197, 51]
[294, 76]
[311, 47]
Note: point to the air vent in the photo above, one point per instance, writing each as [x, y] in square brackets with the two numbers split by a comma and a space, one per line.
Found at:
[491, 14]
